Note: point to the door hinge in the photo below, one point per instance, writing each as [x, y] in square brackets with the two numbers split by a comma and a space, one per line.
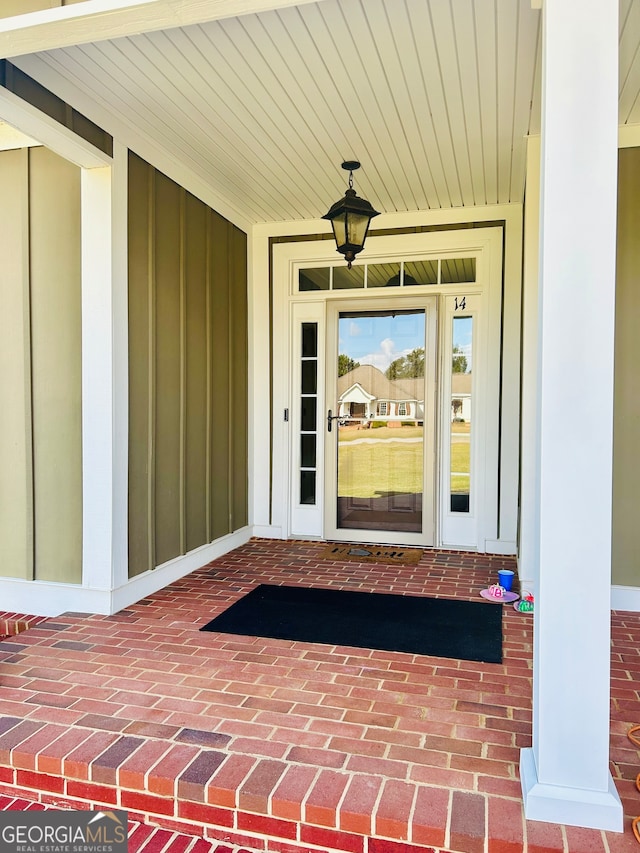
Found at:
[286, 414]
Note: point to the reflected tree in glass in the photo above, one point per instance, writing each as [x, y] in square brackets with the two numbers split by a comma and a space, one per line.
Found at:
[461, 414]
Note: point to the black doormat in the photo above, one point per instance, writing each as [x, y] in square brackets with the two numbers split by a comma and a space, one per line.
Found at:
[466, 630]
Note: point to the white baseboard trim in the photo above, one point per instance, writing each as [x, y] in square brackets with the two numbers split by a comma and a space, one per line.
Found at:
[625, 598]
[164, 574]
[45, 598]
[268, 531]
[569, 806]
[500, 546]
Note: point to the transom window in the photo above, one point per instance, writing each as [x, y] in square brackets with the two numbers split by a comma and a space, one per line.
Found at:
[397, 274]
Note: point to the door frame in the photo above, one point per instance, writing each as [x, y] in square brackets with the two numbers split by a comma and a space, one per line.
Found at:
[486, 242]
[401, 302]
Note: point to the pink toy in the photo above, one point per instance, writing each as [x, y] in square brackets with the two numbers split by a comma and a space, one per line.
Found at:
[498, 594]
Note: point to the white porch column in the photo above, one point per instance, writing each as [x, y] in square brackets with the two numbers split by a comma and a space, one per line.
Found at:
[565, 776]
[528, 557]
[120, 309]
[104, 380]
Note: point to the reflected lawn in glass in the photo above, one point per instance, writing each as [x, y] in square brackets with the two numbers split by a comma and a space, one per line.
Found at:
[381, 466]
[460, 458]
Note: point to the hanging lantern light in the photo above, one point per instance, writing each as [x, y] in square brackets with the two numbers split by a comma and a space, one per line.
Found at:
[350, 218]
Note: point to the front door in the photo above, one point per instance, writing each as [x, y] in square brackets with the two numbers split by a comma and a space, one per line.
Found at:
[380, 421]
[407, 371]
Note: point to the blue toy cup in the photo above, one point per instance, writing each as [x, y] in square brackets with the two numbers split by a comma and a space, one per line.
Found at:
[505, 579]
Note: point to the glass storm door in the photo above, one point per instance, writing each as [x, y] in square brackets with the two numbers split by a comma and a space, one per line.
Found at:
[380, 426]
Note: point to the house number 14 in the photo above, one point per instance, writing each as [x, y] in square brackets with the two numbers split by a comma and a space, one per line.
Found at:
[461, 303]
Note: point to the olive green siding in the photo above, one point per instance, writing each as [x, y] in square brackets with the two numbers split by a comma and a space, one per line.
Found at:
[187, 371]
[220, 461]
[626, 445]
[16, 485]
[197, 423]
[40, 368]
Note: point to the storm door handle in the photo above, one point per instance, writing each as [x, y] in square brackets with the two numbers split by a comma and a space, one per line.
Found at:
[330, 418]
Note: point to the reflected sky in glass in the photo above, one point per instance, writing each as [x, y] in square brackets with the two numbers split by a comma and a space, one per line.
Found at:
[378, 339]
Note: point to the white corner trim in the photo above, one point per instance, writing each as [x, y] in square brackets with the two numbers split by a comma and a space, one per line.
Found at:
[505, 547]
[625, 598]
[26, 118]
[268, 531]
[569, 806]
[43, 598]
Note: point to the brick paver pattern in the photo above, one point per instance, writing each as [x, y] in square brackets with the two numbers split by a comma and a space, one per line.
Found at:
[231, 742]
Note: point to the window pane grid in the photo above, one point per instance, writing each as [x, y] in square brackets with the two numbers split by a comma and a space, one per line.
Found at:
[427, 272]
[308, 427]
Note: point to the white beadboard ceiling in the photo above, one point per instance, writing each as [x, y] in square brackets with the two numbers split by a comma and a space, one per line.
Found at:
[434, 97]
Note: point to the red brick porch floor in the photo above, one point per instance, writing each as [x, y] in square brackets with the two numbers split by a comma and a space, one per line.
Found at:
[279, 746]
[142, 838]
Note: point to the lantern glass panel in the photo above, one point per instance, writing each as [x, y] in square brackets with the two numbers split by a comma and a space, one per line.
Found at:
[357, 226]
[339, 224]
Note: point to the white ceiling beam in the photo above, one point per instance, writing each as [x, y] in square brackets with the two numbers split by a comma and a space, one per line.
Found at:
[98, 20]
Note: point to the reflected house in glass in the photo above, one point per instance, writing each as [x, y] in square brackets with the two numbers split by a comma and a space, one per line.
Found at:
[461, 397]
[365, 394]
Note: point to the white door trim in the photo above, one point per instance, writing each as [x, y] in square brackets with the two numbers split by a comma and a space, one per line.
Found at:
[288, 258]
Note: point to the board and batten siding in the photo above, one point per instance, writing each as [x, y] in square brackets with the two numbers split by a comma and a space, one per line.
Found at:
[187, 371]
[40, 368]
[626, 420]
